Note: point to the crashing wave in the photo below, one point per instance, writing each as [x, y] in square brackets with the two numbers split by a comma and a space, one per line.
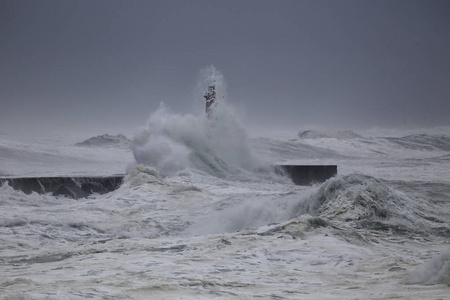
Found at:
[140, 175]
[366, 202]
[173, 142]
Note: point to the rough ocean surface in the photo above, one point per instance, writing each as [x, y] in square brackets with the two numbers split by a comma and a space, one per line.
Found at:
[201, 215]
[212, 229]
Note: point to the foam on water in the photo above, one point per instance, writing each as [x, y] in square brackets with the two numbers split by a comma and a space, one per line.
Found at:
[195, 235]
[251, 212]
[437, 271]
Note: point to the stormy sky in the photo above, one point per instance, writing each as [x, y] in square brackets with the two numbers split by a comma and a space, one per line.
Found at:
[104, 66]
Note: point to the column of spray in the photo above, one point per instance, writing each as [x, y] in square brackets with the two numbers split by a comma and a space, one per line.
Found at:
[225, 135]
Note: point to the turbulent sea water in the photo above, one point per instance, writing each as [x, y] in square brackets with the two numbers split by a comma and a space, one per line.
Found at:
[195, 220]
[201, 215]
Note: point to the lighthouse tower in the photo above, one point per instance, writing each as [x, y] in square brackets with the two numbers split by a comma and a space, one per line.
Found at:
[210, 97]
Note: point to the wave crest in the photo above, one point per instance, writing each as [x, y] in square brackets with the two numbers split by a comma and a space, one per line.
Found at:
[367, 202]
[141, 174]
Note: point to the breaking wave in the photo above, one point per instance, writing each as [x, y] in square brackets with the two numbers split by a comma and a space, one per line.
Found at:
[367, 202]
[358, 201]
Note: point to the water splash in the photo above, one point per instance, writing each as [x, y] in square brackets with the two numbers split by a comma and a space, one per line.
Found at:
[172, 142]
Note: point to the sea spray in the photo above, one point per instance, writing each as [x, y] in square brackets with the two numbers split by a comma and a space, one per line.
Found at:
[250, 213]
[167, 141]
[226, 136]
[172, 142]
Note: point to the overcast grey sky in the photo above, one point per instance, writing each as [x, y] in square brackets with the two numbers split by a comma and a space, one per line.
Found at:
[105, 65]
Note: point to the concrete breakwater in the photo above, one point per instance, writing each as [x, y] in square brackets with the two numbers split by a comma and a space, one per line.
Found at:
[73, 187]
[80, 187]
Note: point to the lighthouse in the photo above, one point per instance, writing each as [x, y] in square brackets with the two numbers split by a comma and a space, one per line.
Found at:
[210, 97]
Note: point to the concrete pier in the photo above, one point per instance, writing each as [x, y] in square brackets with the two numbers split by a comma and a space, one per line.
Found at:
[72, 187]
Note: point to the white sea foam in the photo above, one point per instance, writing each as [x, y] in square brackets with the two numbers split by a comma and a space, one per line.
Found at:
[164, 143]
[194, 234]
[437, 271]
